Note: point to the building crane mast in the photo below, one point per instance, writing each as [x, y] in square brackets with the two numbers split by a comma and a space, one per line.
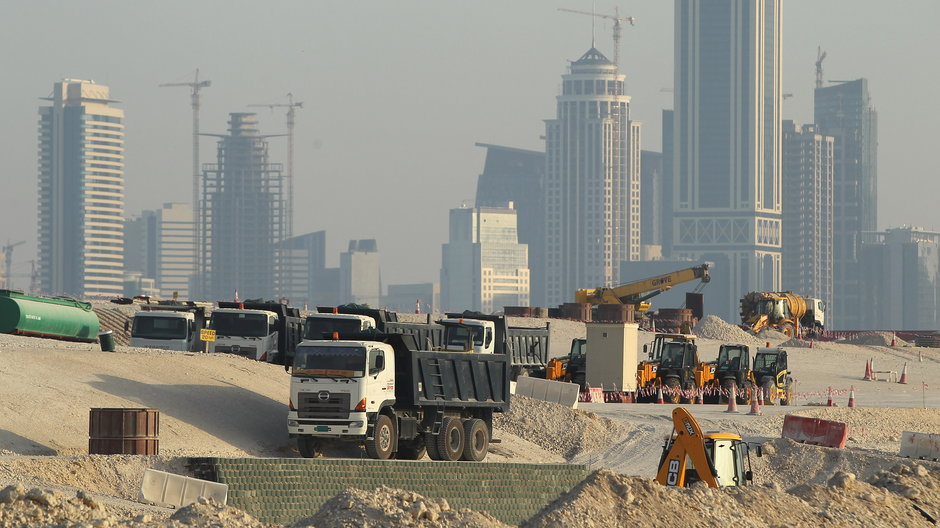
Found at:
[291, 112]
[195, 88]
[618, 29]
[8, 263]
[820, 55]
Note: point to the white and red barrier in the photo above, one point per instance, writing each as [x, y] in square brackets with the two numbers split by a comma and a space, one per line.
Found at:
[920, 445]
[815, 431]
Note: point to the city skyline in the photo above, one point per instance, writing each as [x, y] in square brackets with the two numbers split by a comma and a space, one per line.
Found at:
[415, 75]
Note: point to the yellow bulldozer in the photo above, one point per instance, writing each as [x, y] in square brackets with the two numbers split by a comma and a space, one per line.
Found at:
[787, 312]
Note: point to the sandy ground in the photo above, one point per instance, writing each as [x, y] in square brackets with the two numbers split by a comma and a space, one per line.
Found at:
[222, 405]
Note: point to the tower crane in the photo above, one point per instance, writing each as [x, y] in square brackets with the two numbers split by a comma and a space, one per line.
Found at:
[617, 26]
[8, 263]
[291, 112]
[195, 88]
[820, 55]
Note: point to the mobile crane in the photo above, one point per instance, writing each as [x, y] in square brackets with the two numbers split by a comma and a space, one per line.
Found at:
[638, 292]
[689, 456]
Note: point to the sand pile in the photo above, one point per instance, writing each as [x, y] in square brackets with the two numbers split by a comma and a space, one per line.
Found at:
[772, 334]
[892, 498]
[795, 343]
[390, 508]
[556, 428]
[713, 327]
[874, 339]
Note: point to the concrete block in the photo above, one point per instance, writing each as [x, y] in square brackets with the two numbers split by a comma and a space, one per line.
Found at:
[924, 446]
[548, 390]
[168, 489]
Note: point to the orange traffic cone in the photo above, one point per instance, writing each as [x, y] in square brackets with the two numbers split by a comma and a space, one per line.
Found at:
[659, 395]
[755, 402]
[811, 343]
[829, 403]
[868, 372]
[700, 397]
[852, 397]
[903, 374]
[894, 340]
[732, 401]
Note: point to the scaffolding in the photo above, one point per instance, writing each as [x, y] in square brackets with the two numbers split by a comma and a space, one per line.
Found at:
[242, 216]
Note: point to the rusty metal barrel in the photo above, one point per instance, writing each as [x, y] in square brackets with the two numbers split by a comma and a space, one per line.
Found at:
[615, 313]
[120, 431]
[576, 311]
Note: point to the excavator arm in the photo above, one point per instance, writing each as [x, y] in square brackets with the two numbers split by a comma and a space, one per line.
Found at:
[687, 443]
[641, 290]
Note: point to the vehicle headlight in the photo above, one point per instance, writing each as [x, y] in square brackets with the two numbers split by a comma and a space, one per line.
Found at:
[355, 424]
[292, 423]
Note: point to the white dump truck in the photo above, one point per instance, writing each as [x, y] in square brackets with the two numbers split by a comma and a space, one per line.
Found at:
[266, 331]
[168, 326]
[400, 402]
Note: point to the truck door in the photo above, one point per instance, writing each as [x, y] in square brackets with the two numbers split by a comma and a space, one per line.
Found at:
[381, 374]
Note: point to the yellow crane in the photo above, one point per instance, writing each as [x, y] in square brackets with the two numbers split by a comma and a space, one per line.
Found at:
[291, 109]
[637, 292]
[618, 29]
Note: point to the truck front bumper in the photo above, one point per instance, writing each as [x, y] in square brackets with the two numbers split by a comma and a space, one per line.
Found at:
[356, 425]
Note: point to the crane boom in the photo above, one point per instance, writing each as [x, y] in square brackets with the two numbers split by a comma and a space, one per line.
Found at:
[636, 292]
[617, 26]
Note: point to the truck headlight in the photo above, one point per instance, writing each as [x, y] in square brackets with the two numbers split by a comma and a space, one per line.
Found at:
[292, 423]
[355, 424]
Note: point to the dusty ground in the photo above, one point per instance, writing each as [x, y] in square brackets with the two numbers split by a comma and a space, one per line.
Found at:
[218, 405]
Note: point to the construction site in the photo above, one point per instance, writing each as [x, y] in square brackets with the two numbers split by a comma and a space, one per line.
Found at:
[220, 420]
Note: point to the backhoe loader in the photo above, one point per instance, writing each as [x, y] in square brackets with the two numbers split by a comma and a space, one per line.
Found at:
[772, 375]
[673, 366]
[689, 456]
[732, 372]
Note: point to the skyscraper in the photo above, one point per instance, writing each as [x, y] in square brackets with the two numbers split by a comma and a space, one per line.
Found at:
[360, 277]
[592, 181]
[242, 216]
[727, 195]
[807, 211]
[483, 265]
[81, 191]
[845, 112]
[160, 245]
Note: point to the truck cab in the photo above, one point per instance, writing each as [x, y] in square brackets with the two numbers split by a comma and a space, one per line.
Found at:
[469, 335]
[164, 330]
[250, 333]
[318, 325]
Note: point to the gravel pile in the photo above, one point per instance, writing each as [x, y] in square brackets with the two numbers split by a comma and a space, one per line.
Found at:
[556, 428]
[795, 343]
[391, 508]
[713, 327]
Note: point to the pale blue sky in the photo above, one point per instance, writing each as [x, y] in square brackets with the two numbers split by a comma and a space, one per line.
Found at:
[396, 94]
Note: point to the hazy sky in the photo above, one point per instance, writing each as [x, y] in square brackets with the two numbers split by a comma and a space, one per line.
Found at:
[396, 94]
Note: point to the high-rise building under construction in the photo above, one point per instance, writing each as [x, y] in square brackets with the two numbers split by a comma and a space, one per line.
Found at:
[242, 216]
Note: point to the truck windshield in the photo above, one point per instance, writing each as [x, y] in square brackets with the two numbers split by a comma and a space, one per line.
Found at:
[315, 328]
[672, 355]
[239, 324]
[765, 362]
[458, 335]
[159, 328]
[319, 360]
[730, 358]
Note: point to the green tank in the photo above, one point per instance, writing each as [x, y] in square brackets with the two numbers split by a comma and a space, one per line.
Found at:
[42, 316]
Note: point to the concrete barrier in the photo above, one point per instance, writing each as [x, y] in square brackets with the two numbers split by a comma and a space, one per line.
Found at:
[548, 390]
[920, 445]
[815, 431]
[171, 490]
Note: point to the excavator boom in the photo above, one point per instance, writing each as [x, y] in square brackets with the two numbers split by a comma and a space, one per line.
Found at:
[687, 443]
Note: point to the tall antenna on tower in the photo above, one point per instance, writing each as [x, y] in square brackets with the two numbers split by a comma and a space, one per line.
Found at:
[593, 15]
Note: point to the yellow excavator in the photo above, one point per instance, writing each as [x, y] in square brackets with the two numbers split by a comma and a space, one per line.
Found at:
[638, 292]
[690, 456]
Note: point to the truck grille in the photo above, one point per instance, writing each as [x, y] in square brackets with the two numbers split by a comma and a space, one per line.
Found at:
[323, 404]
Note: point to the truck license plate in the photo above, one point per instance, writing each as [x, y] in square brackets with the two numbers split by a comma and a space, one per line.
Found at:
[323, 428]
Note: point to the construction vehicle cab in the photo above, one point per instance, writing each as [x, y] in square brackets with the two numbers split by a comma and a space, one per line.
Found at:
[689, 456]
[571, 368]
[772, 375]
[647, 371]
[732, 372]
[787, 312]
[677, 370]
[638, 292]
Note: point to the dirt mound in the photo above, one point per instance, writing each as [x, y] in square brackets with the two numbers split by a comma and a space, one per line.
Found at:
[795, 343]
[557, 428]
[772, 334]
[713, 327]
[874, 339]
[206, 513]
[390, 508]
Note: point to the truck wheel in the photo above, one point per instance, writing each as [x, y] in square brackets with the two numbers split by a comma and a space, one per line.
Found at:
[309, 447]
[430, 444]
[382, 444]
[476, 440]
[787, 395]
[769, 390]
[450, 441]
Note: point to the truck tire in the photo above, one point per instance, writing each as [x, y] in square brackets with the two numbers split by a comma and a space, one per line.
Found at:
[476, 440]
[450, 441]
[769, 389]
[672, 392]
[787, 395]
[309, 447]
[430, 444]
[384, 436]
